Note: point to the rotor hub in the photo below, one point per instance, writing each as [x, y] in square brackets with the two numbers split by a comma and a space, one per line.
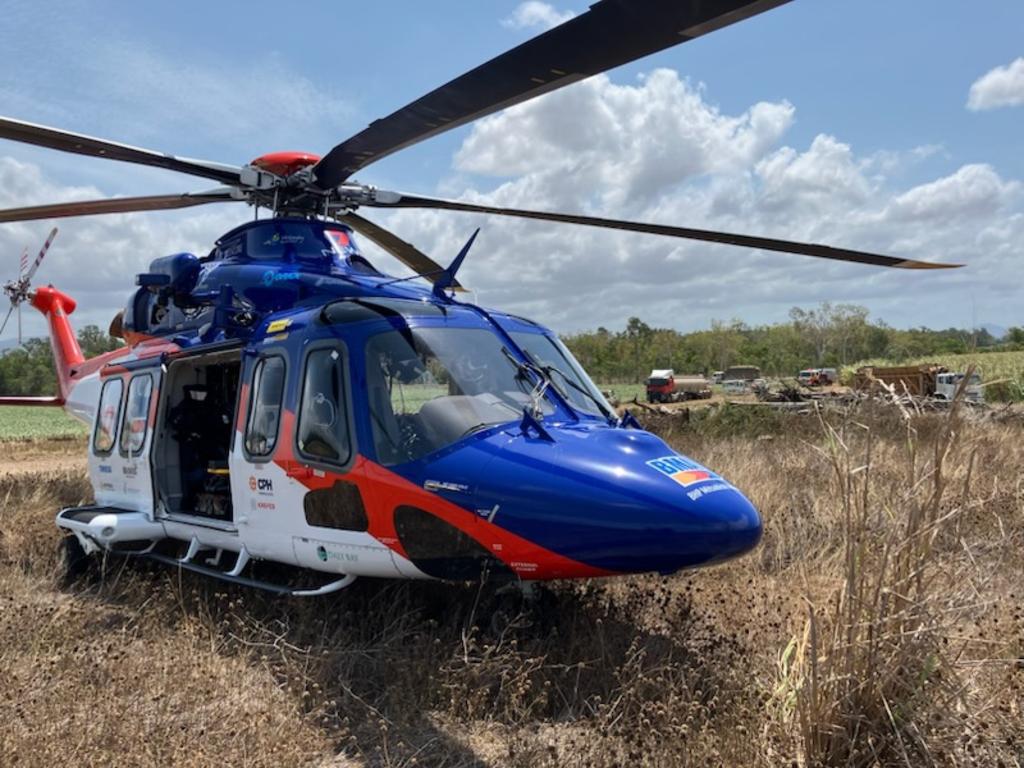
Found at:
[284, 164]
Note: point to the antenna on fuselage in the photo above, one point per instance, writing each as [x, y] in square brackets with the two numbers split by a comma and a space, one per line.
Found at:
[447, 278]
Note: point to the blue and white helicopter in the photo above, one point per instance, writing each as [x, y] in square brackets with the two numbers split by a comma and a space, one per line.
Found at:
[282, 400]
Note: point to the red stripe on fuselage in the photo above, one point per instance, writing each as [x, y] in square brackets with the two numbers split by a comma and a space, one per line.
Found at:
[383, 491]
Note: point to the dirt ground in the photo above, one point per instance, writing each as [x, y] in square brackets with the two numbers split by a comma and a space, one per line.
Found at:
[31, 457]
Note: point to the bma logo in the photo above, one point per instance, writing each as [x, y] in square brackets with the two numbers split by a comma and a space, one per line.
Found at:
[261, 484]
[682, 470]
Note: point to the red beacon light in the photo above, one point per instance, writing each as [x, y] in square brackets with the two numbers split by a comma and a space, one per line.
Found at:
[285, 163]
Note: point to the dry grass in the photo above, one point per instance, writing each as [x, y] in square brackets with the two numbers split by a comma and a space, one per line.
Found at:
[878, 624]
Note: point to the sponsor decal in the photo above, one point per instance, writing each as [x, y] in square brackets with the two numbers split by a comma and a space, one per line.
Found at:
[441, 485]
[342, 243]
[488, 514]
[279, 239]
[106, 469]
[704, 490]
[261, 485]
[339, 238]
[279, 325]
[270, 277]
[268, 505]
[130, 470]
[327, 555]
[682, 470]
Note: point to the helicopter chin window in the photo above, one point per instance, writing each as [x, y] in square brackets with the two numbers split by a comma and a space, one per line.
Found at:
[432, 387]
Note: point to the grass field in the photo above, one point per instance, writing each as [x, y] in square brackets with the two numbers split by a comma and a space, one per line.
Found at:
[877, 624]
[32, 423]
[625, 392]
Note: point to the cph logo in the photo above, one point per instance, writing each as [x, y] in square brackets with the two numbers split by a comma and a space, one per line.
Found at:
[261, 484]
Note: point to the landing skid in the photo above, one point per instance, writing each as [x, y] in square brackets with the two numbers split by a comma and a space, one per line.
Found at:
[267, 586]
[122, 532]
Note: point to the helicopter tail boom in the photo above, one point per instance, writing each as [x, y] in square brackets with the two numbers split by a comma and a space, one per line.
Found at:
[56, 306]
[55, 402]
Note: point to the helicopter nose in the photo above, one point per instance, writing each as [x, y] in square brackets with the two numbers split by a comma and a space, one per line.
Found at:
[620, 500]
[703, 522]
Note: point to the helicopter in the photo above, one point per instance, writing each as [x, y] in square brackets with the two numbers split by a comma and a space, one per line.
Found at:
[283, 401]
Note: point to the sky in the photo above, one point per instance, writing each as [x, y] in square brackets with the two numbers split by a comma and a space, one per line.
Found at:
[889, 127]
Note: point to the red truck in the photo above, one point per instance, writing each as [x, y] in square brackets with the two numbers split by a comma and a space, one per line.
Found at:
[664, 386]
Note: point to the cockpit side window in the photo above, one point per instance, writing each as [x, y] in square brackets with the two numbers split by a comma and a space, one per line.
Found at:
[323, 430]
[265, 409]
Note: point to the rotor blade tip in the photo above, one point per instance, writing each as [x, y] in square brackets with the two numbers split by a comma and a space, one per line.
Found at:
[912, 264]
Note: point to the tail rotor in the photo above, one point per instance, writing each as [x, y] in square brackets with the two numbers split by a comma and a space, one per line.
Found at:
[20, 290]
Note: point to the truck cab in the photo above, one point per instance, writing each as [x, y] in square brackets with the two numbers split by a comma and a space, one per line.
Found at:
[661, 386]
[947, 384]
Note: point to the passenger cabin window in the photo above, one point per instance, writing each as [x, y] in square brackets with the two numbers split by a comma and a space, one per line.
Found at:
[106, 419]
[323, 416]
[265, 412]
[136, 415]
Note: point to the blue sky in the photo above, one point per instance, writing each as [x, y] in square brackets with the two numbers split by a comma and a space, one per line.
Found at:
[863, 141]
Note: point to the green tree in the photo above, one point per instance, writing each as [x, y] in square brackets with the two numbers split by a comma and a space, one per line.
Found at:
[28, 369]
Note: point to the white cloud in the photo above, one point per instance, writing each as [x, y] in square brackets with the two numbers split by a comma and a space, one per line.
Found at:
[655, 150]
[999, 87]
[628, 143]
[533, 13]
[973, 192]
[659, 151]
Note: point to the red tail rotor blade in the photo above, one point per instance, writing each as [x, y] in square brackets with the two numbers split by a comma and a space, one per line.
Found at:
[42, 253]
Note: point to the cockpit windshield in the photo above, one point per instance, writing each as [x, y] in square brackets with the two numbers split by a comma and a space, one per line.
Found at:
[430, 387]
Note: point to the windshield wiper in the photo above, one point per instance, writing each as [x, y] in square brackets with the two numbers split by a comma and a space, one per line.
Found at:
[547, 370]
[542, 379]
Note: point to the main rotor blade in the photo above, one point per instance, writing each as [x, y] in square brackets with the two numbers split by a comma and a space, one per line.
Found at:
[748, 241]
[611, 33]
[407, 253]
[115, 205]
[65, 141]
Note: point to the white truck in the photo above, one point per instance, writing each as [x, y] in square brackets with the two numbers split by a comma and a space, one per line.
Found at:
[946, 385]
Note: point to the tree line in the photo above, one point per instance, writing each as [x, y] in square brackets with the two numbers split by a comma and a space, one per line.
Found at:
[830, 335]
[28, 369]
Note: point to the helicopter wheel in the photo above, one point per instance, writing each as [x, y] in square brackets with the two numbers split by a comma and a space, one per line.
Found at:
[75, 561]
